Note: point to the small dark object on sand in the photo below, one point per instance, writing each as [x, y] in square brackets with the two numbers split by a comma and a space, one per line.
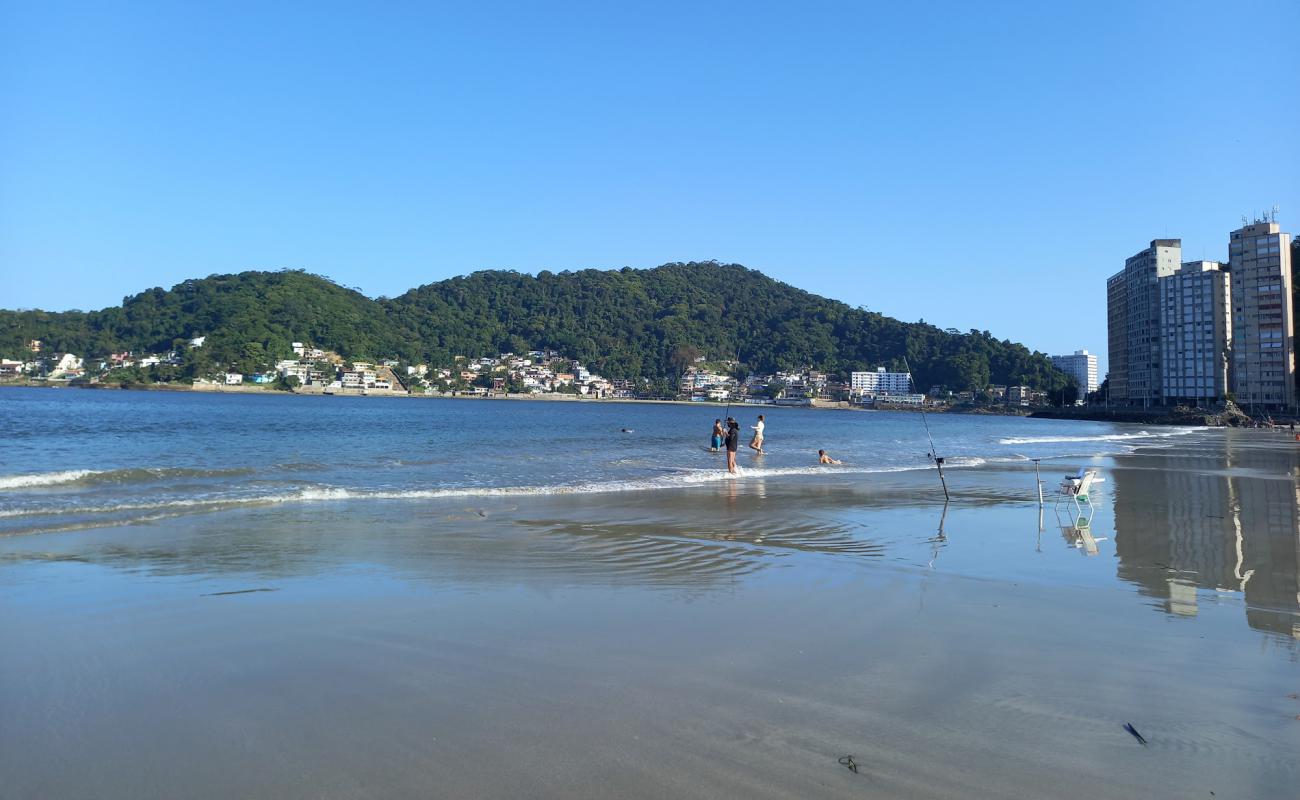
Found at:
[1141, 740]
[848, 761]
[239, 591]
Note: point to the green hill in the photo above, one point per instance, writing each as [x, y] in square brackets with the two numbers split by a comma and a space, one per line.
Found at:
[622, 323]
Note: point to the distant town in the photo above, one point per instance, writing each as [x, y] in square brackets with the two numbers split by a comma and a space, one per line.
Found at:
[538, 373]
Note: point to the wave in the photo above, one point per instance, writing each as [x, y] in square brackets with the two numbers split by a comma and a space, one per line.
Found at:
[1102, 437]
[43, 478]
[98, 476]
[682, 479]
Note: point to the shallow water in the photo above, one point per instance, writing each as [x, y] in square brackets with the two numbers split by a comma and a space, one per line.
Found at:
[94, 457]
[662, 636]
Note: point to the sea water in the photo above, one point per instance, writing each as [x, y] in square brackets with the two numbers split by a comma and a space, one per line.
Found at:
[91, 457]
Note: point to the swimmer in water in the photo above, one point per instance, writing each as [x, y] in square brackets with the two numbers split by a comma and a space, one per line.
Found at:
[718, 436]
[824, 458]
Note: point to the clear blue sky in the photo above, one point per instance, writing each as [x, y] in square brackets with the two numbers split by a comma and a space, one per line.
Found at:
[976, 165]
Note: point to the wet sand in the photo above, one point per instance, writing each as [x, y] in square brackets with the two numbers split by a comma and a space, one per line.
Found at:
[729, 640]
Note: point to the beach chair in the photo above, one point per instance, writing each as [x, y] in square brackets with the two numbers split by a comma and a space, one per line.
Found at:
[1077, 489]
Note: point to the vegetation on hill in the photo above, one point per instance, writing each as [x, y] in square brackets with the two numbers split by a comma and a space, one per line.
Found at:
[622, 323]
[248, 319]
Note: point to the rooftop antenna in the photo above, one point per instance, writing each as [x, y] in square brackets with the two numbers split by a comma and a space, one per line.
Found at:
[1273, 215]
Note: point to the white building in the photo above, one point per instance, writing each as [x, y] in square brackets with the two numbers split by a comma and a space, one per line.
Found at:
[1195, 333]
[869, 384]
[68, 365]
[234, 378]
[1082, 365]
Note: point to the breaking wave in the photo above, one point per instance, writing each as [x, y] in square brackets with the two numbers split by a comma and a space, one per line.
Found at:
[1103, 437]
[43, 478]
[101, 476]
[682, 479]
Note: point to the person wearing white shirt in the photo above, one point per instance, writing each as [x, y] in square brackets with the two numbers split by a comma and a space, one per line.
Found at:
[756, 444]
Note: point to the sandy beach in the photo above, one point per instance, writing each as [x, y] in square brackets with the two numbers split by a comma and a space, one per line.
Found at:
[729, 640]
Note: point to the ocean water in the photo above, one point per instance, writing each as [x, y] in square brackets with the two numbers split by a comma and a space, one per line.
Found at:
[84, 458]
[213, 596]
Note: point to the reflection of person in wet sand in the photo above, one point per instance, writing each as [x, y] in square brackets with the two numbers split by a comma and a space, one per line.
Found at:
[825, 458]
[756, 444]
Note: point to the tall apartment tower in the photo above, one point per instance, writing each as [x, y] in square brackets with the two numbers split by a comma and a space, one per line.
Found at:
[1117, 337]
[1141, 320]
[1263, 328]
[1195, 333]
[1082, 366]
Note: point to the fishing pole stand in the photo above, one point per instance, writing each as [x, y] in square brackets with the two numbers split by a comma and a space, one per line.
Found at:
[938, 462]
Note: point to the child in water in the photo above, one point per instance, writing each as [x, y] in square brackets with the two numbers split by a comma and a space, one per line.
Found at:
[824, 458]
[716, 441]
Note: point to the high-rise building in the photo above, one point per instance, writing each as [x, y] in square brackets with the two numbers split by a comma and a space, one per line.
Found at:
[1117, 337]
[1263, 327]
[1136, 378]
[1195, 333]
[1082, 366]
[880, 382]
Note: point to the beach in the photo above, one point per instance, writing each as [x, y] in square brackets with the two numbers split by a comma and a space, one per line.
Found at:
[485, 600]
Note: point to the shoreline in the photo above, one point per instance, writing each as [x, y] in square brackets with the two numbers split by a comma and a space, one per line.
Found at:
[1173, 417]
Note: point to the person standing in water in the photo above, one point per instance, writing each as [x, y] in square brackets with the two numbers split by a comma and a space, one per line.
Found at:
[732, 442]
[756, 444]
[718, 435]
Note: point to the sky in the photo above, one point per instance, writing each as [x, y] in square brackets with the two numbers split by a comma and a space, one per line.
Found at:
[979, 166]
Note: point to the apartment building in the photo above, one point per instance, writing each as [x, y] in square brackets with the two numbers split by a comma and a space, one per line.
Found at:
[1263, 328]
[1082, 366]
[1117, 336]
[880, 382]
[1195, 333]
[1142, 274]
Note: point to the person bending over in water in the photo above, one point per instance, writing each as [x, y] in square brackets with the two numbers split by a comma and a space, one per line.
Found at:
[733, 441]
[718, 435]
[756, 444]
[824, 458]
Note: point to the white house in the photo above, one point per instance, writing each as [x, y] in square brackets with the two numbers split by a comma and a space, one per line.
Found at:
[69, 364]
[198, 341]
[234, 378]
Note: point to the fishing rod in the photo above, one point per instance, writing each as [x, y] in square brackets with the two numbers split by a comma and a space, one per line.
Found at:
[727, 415]
[934, 453]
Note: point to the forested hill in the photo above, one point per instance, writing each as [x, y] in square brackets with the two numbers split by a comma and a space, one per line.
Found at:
[621, 323]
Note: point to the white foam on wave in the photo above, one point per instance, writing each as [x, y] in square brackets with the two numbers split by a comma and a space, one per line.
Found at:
[44, 478]
[1101, 437]
[682, 479]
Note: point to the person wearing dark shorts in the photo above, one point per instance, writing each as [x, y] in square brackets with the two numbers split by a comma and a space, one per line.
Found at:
[733, 441]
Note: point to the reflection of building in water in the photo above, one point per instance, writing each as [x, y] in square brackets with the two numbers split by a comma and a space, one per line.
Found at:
[1271, 559]
[1185, 522]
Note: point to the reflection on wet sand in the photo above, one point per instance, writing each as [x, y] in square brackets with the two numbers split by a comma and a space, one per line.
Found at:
[1224, 521]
